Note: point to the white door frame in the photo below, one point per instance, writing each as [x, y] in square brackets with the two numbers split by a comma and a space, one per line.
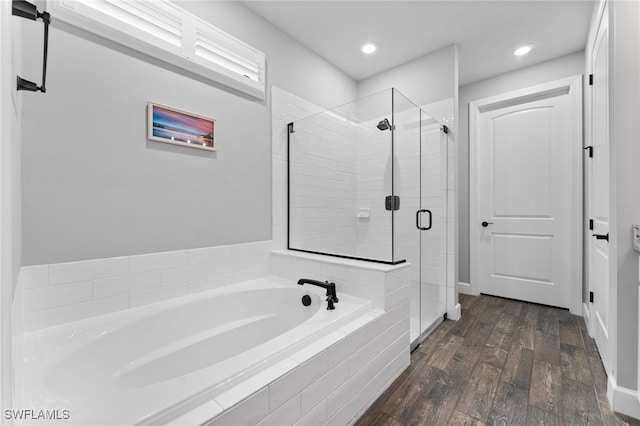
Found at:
[601, 24]
[596, 21]
[572, 85]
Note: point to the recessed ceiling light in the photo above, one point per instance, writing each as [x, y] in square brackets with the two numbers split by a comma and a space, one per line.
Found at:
[523, 50]
[368, 48]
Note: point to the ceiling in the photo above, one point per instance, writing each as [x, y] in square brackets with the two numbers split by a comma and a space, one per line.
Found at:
[486, 31]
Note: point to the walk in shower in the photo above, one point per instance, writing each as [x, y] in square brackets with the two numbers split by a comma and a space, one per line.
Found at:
[368, 181]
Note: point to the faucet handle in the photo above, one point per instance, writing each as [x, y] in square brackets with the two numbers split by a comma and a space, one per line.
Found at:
[330, 306]
[331, 292]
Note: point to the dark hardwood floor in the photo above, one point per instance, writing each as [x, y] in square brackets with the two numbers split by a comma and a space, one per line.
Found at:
[503, 363]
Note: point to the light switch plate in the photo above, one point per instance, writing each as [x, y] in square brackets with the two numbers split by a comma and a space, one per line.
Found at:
[636, 238]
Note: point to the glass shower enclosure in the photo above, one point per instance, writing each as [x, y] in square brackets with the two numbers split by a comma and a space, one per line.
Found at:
[368, 181]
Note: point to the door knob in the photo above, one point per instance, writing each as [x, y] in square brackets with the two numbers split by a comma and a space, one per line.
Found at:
[485, 224]
[602, 237]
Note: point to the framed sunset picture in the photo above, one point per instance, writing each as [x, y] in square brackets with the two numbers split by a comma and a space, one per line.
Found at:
[170, 125]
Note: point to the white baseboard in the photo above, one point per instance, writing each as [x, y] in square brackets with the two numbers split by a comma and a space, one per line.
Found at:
[465, 288]
[586, 314]
[623, 400]
[455, 313]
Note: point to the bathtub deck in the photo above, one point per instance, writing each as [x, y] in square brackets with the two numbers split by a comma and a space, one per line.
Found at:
[504, 362]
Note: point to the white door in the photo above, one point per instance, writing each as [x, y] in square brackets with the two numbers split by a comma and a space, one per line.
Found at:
[527, 194]
[598, 190]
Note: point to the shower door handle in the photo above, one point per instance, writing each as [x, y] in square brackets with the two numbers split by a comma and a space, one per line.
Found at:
[418, 219]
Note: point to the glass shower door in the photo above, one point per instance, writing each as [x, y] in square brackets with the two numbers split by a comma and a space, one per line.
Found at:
[406, 185]
[420, 224]
[433, 224]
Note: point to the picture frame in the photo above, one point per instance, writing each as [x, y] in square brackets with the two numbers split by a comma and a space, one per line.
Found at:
[173, 126]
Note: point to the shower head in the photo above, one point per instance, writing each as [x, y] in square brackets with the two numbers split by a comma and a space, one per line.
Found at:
[384, 125]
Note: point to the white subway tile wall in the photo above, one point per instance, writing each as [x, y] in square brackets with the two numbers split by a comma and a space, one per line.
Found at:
[17, 345]
[245, 389]
[323, 185]
[338, 168]
[373, 234]
[61, 273]
[286, 414]
[297, 379]
[285, 108]
[249, 412]
[324, 386]
[314, 415]
[64, 292]
[78, 311]
[323, 177]
[156, 261]
[35, 276]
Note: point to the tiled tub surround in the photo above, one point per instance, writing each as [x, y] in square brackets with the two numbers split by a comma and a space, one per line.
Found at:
[339, 376]
[59, 293]
[182, 353]
[332, 379]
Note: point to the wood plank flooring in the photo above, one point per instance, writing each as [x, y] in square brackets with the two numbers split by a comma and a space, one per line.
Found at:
[503, 363]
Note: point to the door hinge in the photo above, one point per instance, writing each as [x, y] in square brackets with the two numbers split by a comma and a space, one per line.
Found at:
[290, 128]
[590, 297]
[590, 149]
[591, 224]
[445, 129]
[590, 79]
[392, 202]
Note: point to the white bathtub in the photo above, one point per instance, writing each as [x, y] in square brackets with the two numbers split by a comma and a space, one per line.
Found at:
[155, 363]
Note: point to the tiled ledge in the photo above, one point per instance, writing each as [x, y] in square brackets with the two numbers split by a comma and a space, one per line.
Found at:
[64, 292]
[361, 264]
[368, 280]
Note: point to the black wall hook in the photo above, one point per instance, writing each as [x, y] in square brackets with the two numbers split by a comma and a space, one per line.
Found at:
[24, 9]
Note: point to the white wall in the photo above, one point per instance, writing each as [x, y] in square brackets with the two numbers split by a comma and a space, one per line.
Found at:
[374, 234]
[423, 80]
[624, 68]
[15, 183]
[6, 286]
[94, 187]
[10, 238]
[555, 69]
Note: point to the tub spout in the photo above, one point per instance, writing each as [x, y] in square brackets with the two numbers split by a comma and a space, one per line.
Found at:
[332, 297]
